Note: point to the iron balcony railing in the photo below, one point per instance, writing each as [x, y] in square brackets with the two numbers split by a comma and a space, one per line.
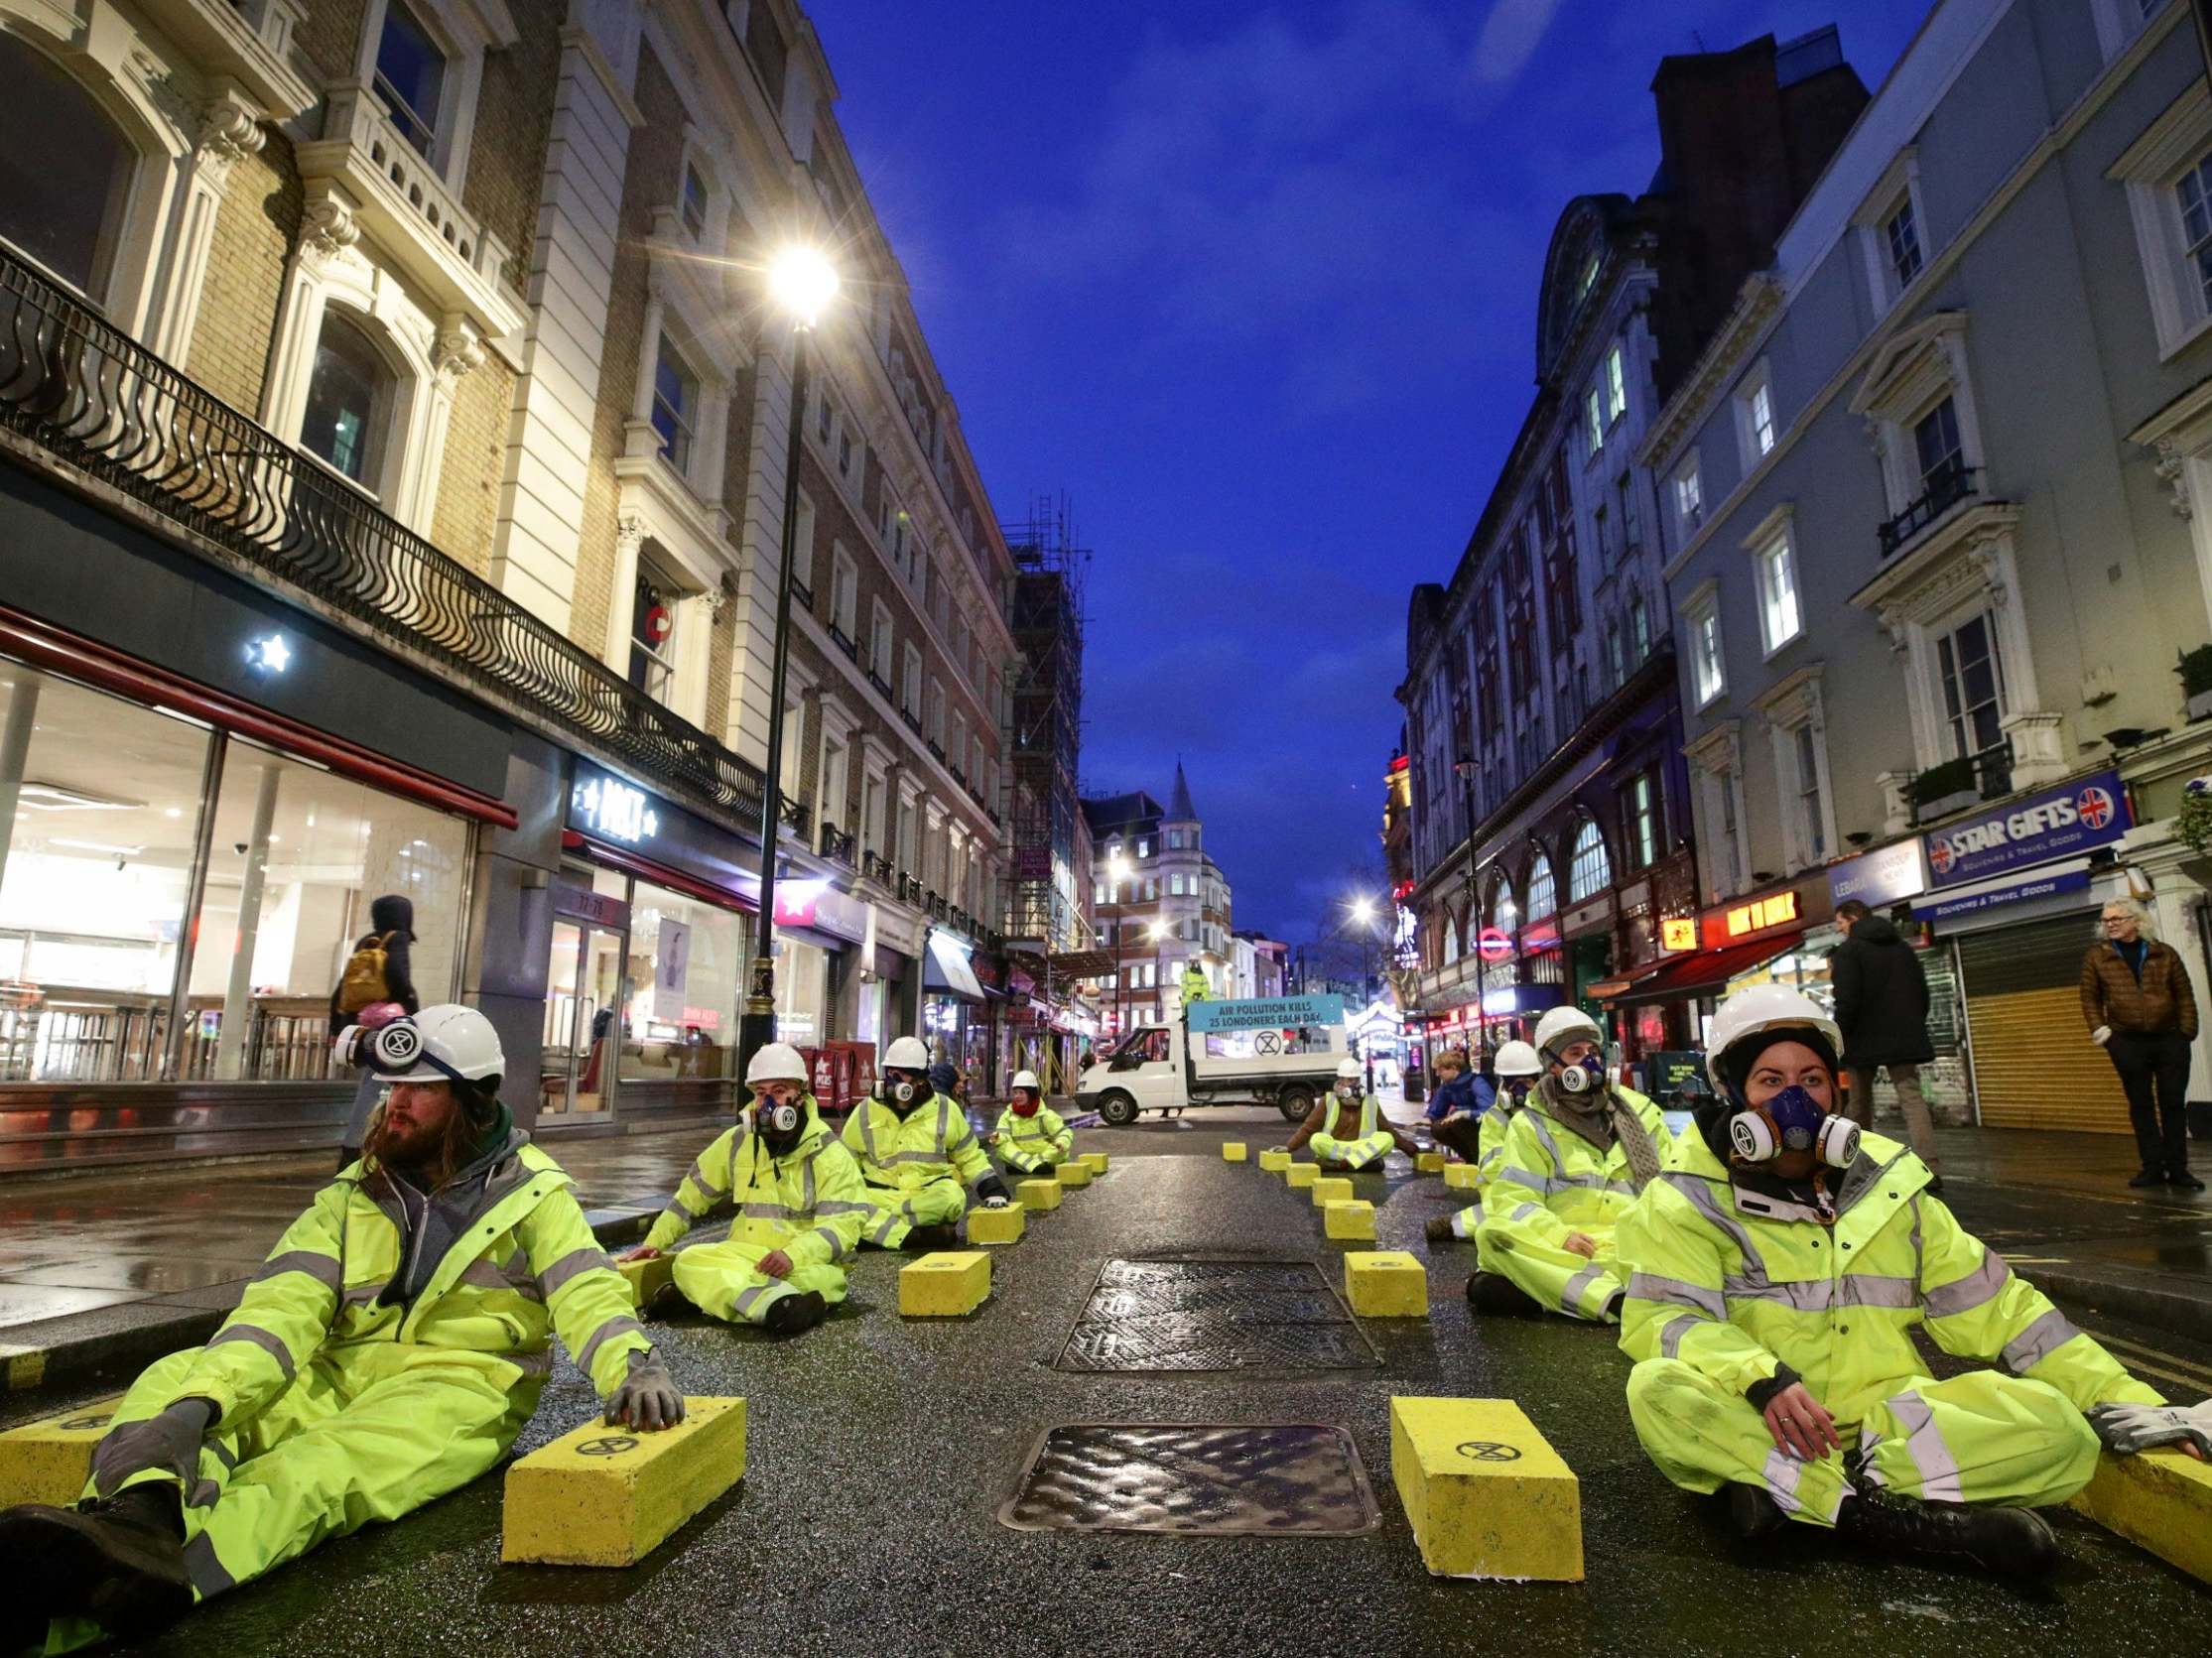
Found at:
[837, 844]
[876, 867]
[1945, 490]
[87, 394]
[850, 647]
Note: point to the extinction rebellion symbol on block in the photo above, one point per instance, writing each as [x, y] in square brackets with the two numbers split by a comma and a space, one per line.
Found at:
[1488, 1451]
[613, 1446]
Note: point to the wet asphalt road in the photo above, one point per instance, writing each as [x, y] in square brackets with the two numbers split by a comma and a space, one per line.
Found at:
[881, 1451]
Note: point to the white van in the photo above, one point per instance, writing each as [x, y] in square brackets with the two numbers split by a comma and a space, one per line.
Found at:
[1281, 1052]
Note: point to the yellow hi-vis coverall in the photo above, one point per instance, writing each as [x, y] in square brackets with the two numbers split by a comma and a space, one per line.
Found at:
[1490, 1157]
[1355, 1143]
[917, 1169]
[1552, 1183]
[1035, 1143]
[335, 1408]
[808, 1202]
[1721, 1300]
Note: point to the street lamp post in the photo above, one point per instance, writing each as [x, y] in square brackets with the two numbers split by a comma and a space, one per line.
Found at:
[801, 282]
[1118, 871]
[1158, 930]
[1363, 914]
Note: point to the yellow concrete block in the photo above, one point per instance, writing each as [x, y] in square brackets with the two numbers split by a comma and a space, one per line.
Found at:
[1235, 1151]
[49, 1460]
[1274, 1162]
[1487, 1496]
[647, 1279]
[1460, 1176]
[1073, 1176]
[1429, 1163]
[609, 1496]
[1301, 1175]
[2161, 1499]
[1349, 1218]
[1385, 1284]
[1097, 1161]
[947, 1284]
[997, 1225]
[1039, 1194]
[1331, 1189]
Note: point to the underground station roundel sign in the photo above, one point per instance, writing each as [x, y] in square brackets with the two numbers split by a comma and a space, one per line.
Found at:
[1492, 943]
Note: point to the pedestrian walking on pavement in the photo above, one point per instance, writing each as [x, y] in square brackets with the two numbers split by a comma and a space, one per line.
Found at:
[2140, 1009]
[378, 972]
[1882, 1005]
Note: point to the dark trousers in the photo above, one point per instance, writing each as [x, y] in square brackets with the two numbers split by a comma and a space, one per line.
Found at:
[2157, 1060]
[1464, 1136]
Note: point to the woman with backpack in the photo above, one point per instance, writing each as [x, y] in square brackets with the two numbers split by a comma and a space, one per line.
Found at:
[377, 973]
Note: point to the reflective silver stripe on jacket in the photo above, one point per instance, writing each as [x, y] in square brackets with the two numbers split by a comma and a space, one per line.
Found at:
[1536, 1183]
[1931, 1458]
[1977, 1289]
[360, 1293]
[323, 1269]
[539, 1364]
[1571, 1296]
[1825, 1295]
[621, 1324]
[838, 1249]
[769, 1212]
[837, 1205]
[1649, 1286]
[2037, 1341]
[1698, 1191]
[576, 1262]
[266, 1341]
[1670, 1338]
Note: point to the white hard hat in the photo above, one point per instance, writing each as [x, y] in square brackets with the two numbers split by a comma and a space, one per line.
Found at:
[1762, 1009]
[1027, 1080]
[1517, 1059]
[1349, 1069]
[908, 1053]
[448, 1043]
[1563, 1023]
[776, 1061]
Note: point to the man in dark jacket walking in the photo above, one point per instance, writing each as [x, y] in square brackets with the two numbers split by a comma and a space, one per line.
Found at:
[2136, 996]
[1881, 1007]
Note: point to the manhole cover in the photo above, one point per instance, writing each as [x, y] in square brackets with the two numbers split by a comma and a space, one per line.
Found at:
[1214, 1315]
[1254, 1479]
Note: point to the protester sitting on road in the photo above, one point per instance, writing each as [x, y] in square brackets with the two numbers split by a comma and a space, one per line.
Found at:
[1456, 1109]
[1517, 1069]
[2140, 1008]
[1576, 1157]
[799, 1206]
[1346, 1130]
[918, 1156]
[388, 1352]
[1776, 1270]
[1031, 1138]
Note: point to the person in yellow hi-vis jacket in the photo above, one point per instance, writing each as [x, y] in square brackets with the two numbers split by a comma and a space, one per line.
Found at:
[918, 1157]
[1031, 1138]
[388, 1352]
[1517, 1069]
[799, 1206]
[1575, 1159]
[1346, 1129]
[1775, 1273]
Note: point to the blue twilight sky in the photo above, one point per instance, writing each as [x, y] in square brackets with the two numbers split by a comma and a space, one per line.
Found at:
[1256, 286]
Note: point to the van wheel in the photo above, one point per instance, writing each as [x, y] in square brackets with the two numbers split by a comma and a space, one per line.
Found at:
[1295, 1104]
[1117, 1109]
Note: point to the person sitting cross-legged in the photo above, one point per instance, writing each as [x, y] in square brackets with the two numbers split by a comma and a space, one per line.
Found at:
[1517, 1070]
[389, 1351]
[1346, 1130]
[1031, 1138]
[1777, 1273]
[918, 1157]
[799, 1205]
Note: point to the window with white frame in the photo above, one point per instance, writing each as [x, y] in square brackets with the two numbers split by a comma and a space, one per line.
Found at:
[1793, 712]
[653, 613]
[410, 76]
[1616, 385]
[1970, 668]
[1639, 629]
[1900, 235]
[1617, 661]
[1754, 415]
[937, 715]
[879, 640]
[1812, 810]
[1631, 533]
[830, 791]
[1595, 410]
[2167, 176]
[873, 794]
[1775, 568]
[1937, 447]
[825, 418]
[65, 218]
[691, 199]
[957, 750]
[1175, 886]
[1708, 666]
[1640, 821]
[1588, 869]
[675, 405]
[352, 393]
[910, 683]
[844, 592]
[1689, 499]
[802, 546]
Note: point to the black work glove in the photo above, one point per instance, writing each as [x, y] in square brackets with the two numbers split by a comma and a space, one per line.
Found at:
[990, 1186]
[646, 1398]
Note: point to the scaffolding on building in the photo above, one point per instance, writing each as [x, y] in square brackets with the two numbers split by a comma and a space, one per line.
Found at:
[1044, 816]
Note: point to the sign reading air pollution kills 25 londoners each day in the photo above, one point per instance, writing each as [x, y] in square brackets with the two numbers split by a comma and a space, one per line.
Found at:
[1276, 1013]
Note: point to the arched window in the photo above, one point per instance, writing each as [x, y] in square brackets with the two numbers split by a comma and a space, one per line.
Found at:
[351, 396]
[1451, 939]
[61, 202]
[1543, 892]
[1591, 870]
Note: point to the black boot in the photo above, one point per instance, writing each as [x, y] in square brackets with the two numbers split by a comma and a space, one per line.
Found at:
[1753, 1514]
[1500, 1297]
[2184, 1180]
[119, 1560]
[788, 1314]
[2004, 1542]
[944, 1235]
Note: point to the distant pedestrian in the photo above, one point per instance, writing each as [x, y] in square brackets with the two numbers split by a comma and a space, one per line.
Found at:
[2136, 999]
[1455, 1109]
[1881, 1004]
[377, 972]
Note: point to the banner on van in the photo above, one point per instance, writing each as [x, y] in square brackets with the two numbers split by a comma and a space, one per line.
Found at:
[1276, 1013]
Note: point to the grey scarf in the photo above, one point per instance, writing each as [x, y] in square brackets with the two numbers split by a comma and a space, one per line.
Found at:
[1601, 1118]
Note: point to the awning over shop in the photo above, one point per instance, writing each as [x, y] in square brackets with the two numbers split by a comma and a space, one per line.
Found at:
[1704, 973]
[946, 969]
[1612, 990]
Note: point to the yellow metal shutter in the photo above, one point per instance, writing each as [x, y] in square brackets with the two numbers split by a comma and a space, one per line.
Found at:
[2035, 1066]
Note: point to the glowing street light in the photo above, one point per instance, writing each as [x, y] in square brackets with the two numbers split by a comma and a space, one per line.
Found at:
[1363, 910]
[801, 284]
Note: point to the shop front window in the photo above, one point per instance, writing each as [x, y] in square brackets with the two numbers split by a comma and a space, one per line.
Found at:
[802, 990]
[687, 961]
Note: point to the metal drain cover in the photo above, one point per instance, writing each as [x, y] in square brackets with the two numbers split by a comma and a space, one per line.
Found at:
[1250, 1479]
[1171, 1315]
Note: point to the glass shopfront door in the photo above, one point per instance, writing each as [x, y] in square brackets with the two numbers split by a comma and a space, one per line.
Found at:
[587, 995]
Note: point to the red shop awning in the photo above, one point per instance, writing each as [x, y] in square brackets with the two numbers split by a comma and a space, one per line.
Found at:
[1703, 973]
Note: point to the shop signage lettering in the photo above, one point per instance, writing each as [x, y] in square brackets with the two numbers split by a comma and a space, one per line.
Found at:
[796, 902]
[2017, 892]
[1756, 917]
[1880, 877]
[614, 811]
[1678, 932]
[2055, 824]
